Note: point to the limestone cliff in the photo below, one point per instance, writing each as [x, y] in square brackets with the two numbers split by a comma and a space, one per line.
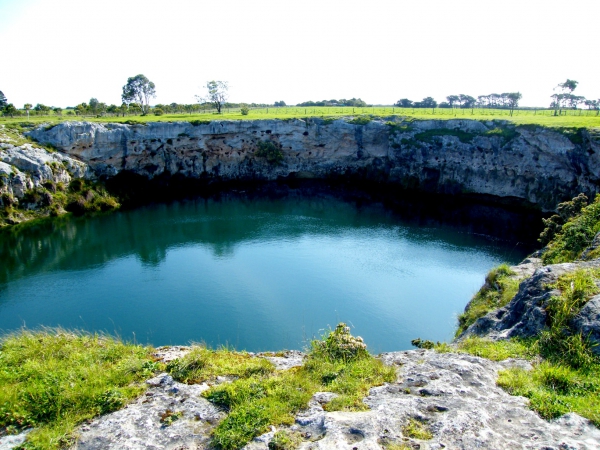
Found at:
[528, 163]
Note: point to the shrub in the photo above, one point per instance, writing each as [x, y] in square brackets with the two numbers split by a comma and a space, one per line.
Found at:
[245, 110]
[268, 150]
[158, 111]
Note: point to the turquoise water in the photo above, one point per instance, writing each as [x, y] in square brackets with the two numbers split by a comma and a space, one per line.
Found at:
[256, 274]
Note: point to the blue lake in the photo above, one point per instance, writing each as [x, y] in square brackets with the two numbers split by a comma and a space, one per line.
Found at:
[253, 273]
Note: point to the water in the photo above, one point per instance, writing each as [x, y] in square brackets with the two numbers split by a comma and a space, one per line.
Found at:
[254, 273]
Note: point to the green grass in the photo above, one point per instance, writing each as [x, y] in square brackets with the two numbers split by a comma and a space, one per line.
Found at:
[499, 288]
[574, 236]
[203, 364]
[555, 389]
[54, 379]
[494, 350]
[417, 430]
[577, 119]
[261, 397]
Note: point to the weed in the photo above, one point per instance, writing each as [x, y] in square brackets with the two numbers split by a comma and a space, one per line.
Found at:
[574, 236]
[197, 123]
[494, 350]
[202, 364]
[168, 417]
[361, 120]
[506, 133]
[430, 135]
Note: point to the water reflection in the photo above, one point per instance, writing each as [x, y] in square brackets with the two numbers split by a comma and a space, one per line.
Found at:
[258, 271]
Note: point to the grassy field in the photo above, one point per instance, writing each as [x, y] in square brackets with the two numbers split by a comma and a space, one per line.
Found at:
[572, 118]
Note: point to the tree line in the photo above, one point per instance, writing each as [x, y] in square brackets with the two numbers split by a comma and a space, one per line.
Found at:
[139, 91]
[563, 98]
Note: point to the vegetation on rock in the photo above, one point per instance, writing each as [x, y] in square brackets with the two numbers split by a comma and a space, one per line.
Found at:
[260, 397]
[501, 285]
[270, 151]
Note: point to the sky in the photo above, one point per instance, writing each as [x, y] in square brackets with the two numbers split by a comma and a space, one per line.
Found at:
[64, 52]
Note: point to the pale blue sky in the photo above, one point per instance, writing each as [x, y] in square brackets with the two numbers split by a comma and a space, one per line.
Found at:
[63, 52]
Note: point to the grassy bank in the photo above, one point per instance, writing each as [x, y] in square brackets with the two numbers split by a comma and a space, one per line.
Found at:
[572, 118]
[53, 380]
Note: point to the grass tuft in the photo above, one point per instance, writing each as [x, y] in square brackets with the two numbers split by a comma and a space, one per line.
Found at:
[202, 364]
[498, 290]
[417, 430]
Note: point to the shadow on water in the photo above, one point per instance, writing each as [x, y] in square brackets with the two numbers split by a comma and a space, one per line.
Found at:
[223, 221]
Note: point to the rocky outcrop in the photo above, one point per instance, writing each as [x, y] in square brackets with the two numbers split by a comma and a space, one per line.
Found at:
[455, 396]
[532, 164]
[525, 315]
[24, 167]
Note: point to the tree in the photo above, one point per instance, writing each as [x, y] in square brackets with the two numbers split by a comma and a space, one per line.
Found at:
[140, 90]
[513, 100]
[452, 99]
[563, 95]
[466, 101]
[3, 101]
[216, 94]
[57, 111]
[427, 102]
[27, 107]
[41, 108]
[10, 110]
[404, 103]
[281, 103]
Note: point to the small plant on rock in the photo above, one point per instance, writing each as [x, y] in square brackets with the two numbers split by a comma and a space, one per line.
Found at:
[340, 345]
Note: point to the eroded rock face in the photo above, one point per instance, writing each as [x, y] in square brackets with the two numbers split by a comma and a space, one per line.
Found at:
[536, 165]
[26, 166]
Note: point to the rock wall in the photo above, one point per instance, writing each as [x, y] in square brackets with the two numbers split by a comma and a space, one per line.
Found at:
[528, 163]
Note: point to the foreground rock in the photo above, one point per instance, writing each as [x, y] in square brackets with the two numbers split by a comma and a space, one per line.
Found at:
[532, 164]
[455, 396]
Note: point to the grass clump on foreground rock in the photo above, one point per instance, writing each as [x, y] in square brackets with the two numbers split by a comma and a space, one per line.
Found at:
[500, 287]
[261, 397]
[53, 380]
